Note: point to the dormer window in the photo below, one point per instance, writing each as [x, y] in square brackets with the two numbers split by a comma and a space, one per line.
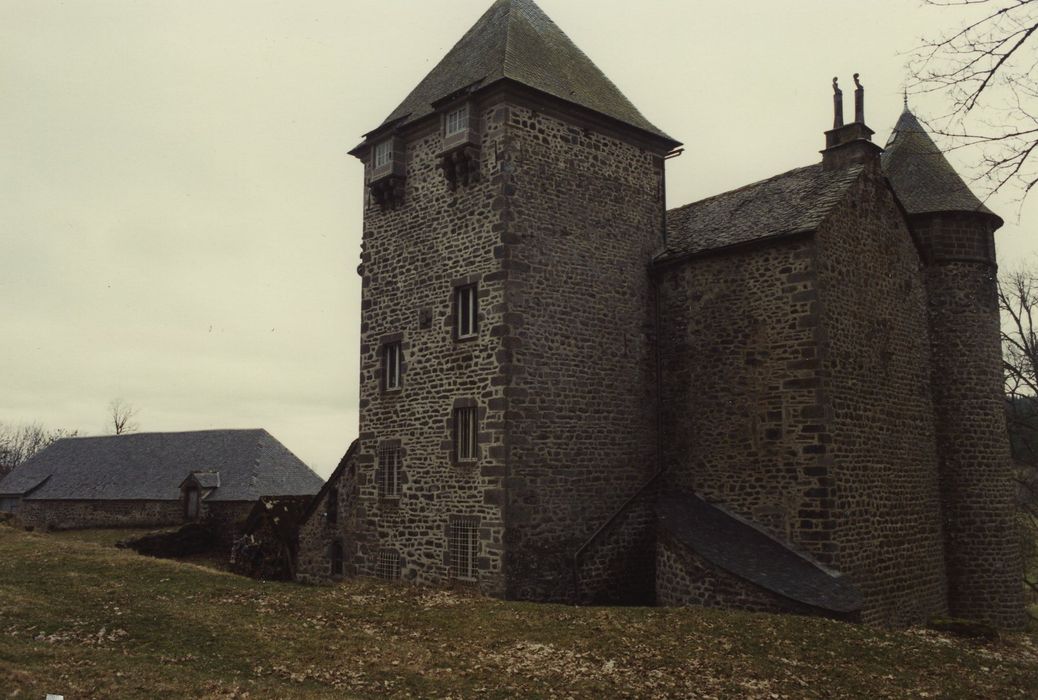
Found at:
[457, 121]
[460, 152]
[386, 179]
[383, 154]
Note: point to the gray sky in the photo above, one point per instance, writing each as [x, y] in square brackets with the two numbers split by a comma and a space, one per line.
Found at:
[180, 223]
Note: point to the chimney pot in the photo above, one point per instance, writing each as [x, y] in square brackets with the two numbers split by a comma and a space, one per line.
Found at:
[849, 144]
[859, 101]
[837, 105]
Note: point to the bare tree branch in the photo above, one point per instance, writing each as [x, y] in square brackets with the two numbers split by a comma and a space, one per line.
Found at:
[19, 443]
[986, 72]
[121, 414]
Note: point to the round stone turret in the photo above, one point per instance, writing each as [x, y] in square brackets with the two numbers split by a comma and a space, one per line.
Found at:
[954, 231]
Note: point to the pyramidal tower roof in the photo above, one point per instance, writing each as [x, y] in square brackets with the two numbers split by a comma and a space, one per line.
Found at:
[515, 40]
[922, 177]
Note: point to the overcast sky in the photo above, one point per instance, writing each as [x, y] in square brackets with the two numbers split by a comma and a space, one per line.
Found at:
[180, 223]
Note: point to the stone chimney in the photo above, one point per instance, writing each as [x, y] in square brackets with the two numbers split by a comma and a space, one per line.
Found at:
[849, 144]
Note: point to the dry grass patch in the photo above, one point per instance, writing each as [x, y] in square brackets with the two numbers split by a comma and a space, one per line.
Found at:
[81, 618]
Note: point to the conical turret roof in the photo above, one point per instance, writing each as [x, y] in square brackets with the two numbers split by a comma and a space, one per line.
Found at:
[922, 177]
[515, 40]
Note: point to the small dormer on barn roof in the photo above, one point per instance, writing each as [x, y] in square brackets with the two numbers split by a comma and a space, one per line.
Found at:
[206, 481]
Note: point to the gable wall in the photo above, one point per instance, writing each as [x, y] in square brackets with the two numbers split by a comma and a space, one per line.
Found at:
[877, 378]
[317, 532]
[742, 408]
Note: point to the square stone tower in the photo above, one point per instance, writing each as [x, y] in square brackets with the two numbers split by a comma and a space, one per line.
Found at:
[514, 202]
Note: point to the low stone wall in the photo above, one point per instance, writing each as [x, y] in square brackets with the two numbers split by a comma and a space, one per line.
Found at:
[75, 515]
[70, 515]
[226, 517]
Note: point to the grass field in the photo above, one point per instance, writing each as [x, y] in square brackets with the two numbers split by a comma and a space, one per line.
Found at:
[83, 619]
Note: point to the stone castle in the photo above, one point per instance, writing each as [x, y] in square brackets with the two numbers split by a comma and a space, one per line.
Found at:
[786, 397]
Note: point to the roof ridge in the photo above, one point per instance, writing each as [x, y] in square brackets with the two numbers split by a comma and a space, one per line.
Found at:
[744, 187]
[163, 432]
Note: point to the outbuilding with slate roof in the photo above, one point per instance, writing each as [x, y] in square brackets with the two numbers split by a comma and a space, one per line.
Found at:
[153, 479]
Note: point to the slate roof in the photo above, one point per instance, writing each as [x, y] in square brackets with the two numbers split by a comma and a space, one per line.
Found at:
[792, 202]
[740, 549]
[515, 40]
[921, 176]
[152, 466]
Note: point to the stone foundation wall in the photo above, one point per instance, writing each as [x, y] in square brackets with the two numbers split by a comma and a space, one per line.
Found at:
[881, 507]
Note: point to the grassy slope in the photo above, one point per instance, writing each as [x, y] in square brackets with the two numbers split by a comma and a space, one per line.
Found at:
[80, 618]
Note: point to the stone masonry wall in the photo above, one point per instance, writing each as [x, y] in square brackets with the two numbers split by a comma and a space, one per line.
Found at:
[71, 515]
[983, 557]
[618, 566]
[881, 506]
[414, 256]
[580, 218]
[68, 515]
[742, 410]
[226, 516]
[319, 531]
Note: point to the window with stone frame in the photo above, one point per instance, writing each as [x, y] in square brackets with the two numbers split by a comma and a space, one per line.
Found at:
[466, 431]
[466, 312]
[388, 566]
[383, 153]
[456, 121]
[462, 547]
[392, 366]
[387, 474]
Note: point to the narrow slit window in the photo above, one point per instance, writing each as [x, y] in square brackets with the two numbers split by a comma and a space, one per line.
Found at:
[337, 558]
[388, 476]
[383, 153]
[332, 510]
[392, 365]
[457, 120]
[465, 431]
[462, 545]
[466, 312]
